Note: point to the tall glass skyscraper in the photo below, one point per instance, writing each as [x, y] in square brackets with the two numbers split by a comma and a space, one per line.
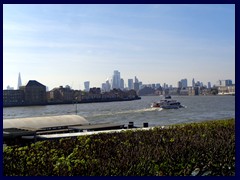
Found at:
[130, 84]
[86, 86]
[116, 80]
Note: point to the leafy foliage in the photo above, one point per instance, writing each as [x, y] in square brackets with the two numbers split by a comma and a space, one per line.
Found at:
[206, 148]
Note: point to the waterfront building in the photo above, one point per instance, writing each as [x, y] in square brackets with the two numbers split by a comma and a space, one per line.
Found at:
[13, 97]
[184, 92]
[61, 94]
[227, 82]
[95, 90]
[226, 90]
[194, 91]
[35, 93]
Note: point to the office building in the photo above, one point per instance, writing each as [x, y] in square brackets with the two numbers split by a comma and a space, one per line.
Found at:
[121, 84]
[209, 85]
[184, 83]
[116, 80]
[193, 82]
[130, 84]
[86, 86]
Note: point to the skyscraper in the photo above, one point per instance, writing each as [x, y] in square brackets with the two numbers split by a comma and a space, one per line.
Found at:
[209, 85]
[19, 81]
[193, 82]
[116, 80]
[121, 84]
[86, 86]
[184, 83]
[130, 84]
[136, 79]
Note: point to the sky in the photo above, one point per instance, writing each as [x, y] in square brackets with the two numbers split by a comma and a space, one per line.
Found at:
[60, 45]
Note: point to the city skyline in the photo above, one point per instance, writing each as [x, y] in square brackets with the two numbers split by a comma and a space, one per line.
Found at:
[129, 83]
[70, 44]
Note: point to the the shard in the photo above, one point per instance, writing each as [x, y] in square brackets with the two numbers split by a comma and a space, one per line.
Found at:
[19, 80]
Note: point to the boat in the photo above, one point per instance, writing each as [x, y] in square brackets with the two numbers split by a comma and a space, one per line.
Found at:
[167, 103]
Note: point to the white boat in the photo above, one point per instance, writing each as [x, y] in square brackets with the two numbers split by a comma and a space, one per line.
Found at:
[167, 103]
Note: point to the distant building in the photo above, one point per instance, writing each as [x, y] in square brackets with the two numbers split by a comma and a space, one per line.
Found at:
[35, 93]
[19, 81]
[121, 84]
[130, 84]
[86, 86]
[136, 86]
[153, 86]
[227, 82]
[13, 97]
[10, 88]
[184, 83]
[95, 90]
[116, 80]
[226, 90]
[106, 87]
[194, 91]
[61, 94]
[179, 84]
[136, 79]
[209, 85]
[158, 85]
[193, 82]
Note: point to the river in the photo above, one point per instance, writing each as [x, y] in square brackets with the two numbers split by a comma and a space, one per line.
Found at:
[197, 108]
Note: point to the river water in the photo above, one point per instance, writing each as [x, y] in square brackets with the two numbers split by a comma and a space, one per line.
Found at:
[197, 108]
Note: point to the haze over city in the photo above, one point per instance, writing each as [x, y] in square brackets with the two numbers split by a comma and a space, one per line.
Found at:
[159, 43]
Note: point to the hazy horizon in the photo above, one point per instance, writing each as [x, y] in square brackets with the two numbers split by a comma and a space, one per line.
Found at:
[159, 43]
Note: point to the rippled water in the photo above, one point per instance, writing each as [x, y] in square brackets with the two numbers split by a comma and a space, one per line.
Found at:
[198, 108]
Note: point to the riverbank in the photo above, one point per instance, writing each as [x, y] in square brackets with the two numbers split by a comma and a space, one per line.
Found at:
[77, 102]
[206, 148]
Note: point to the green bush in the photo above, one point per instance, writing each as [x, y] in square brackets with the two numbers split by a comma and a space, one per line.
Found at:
[206, 148]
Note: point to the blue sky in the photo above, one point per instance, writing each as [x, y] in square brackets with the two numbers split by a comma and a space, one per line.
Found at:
[159, 43]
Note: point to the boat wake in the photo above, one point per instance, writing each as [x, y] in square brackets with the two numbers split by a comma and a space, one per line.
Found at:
[126, 112]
